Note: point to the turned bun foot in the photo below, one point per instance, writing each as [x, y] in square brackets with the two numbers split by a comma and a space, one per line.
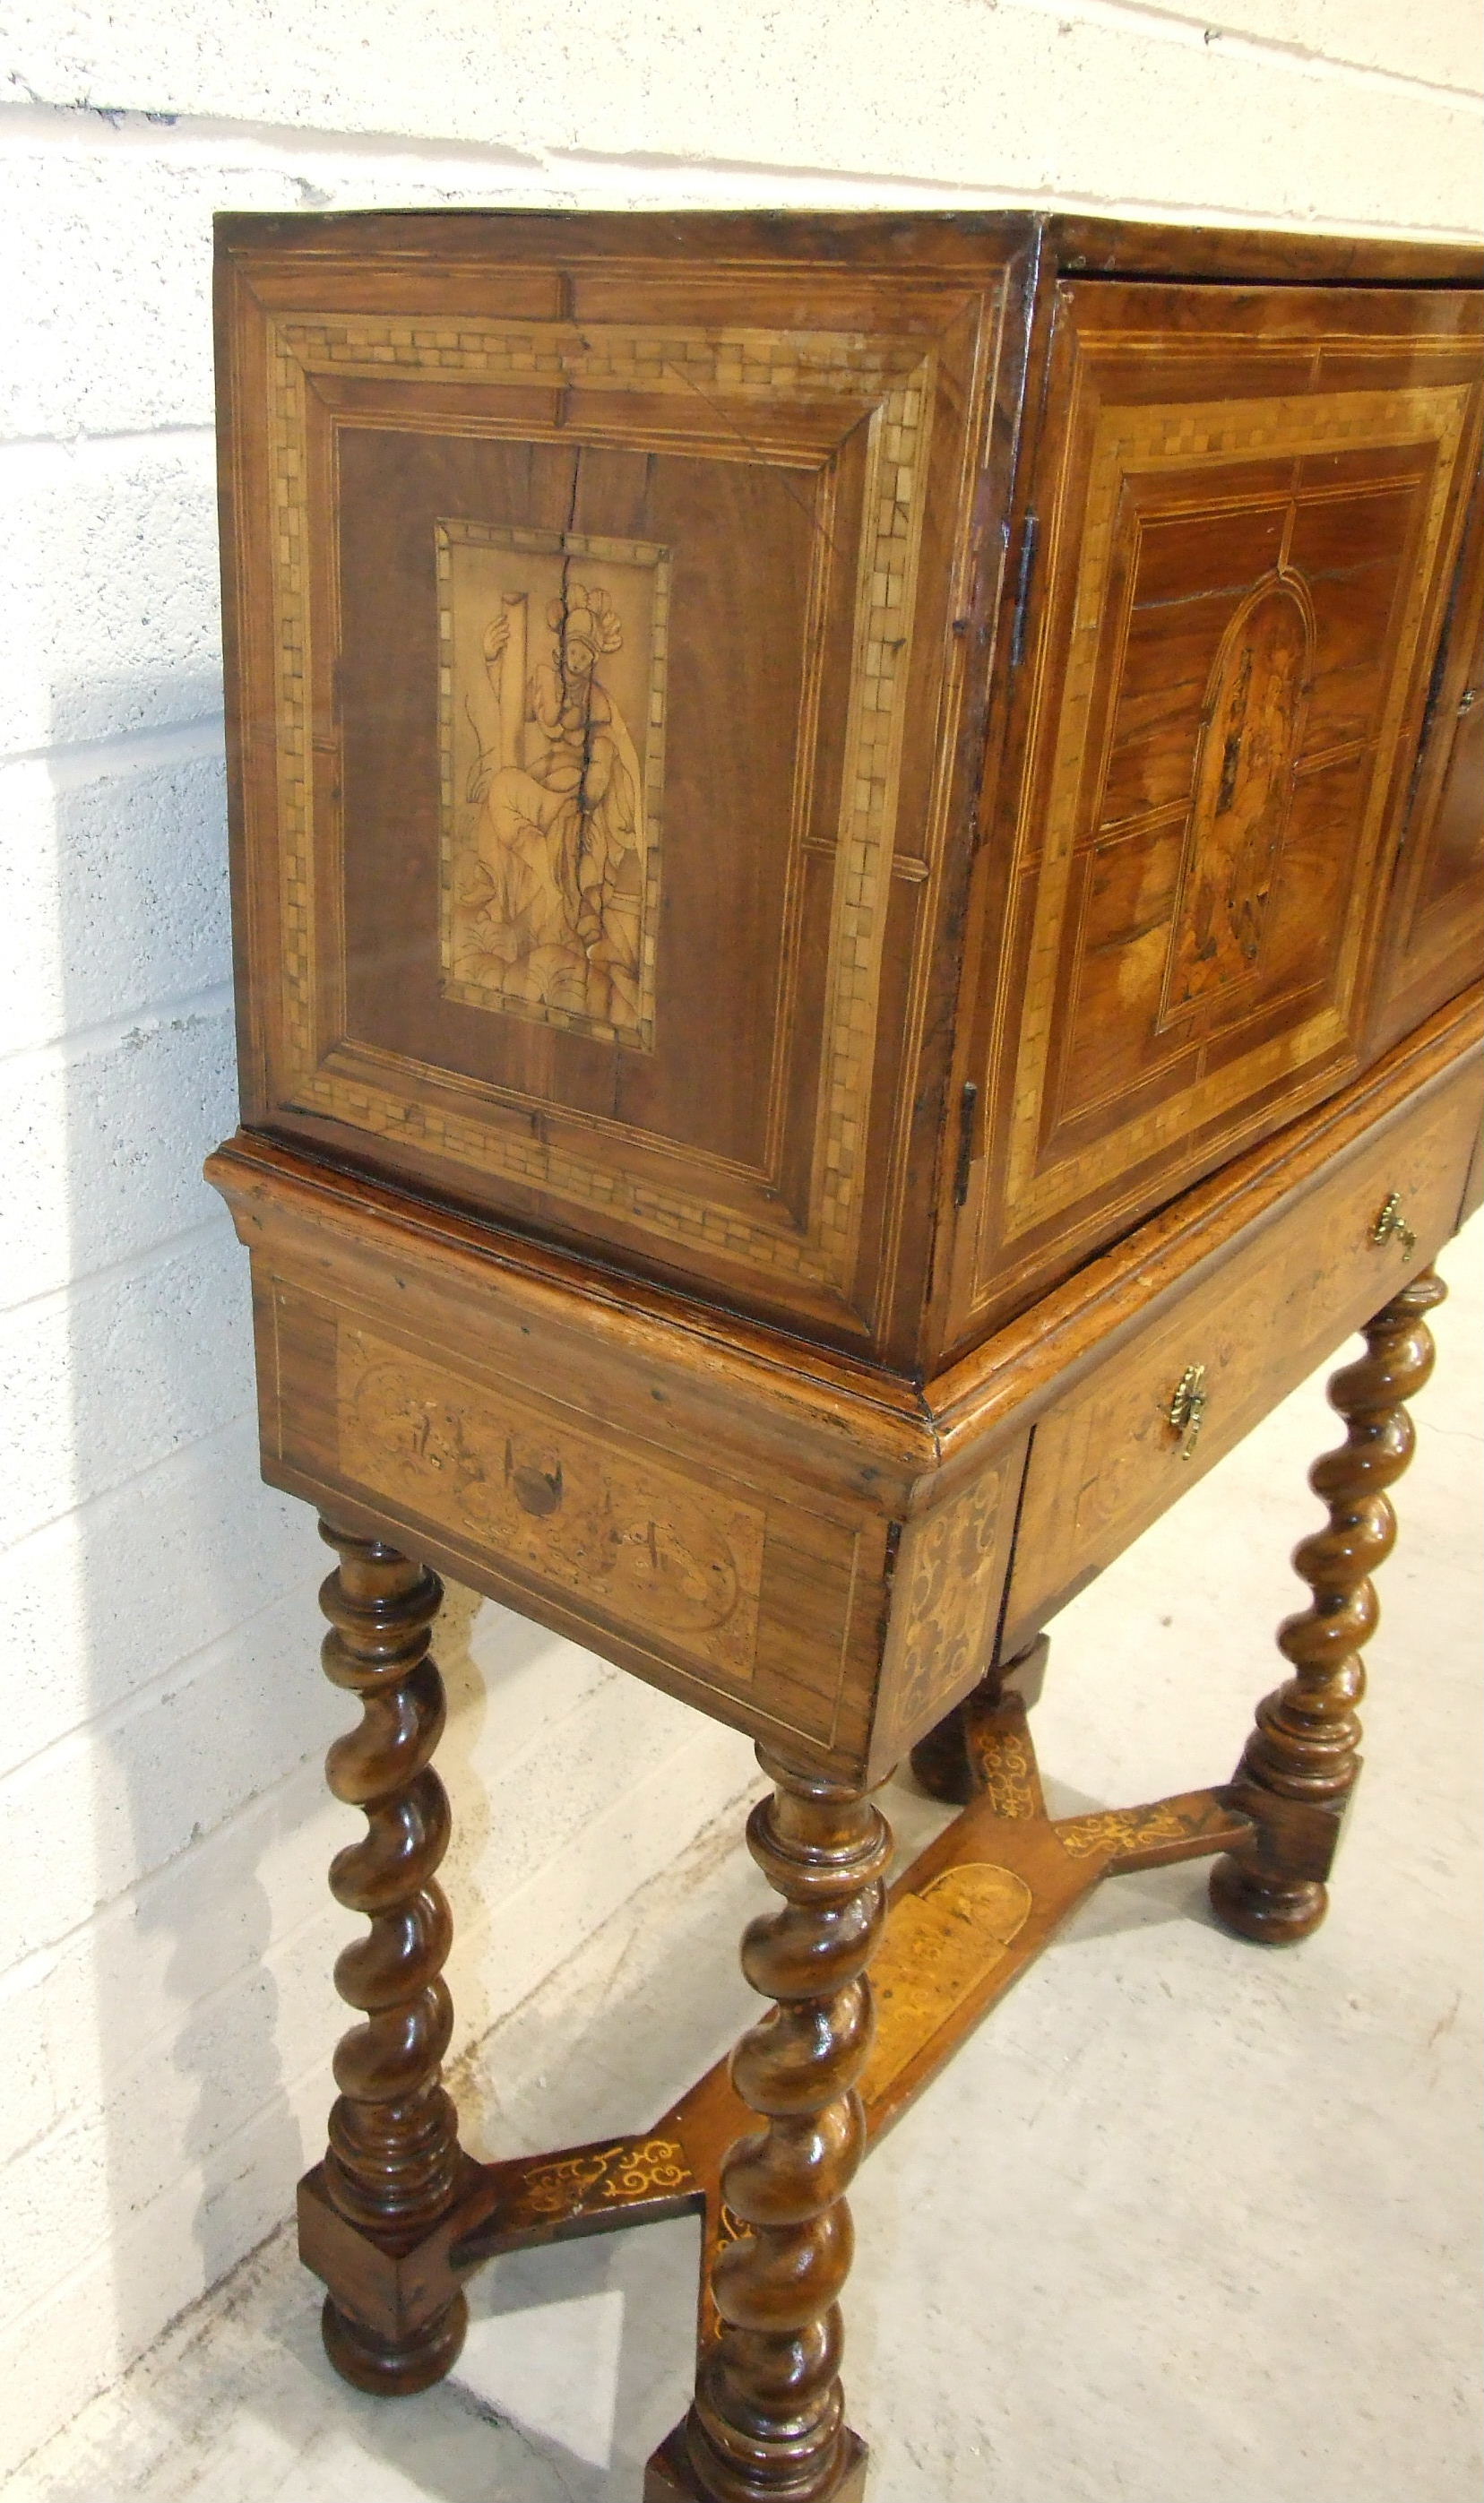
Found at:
[670, 2476]
[940, 1763]
[983, 1744]
[1275, 1912]
[393, 2371]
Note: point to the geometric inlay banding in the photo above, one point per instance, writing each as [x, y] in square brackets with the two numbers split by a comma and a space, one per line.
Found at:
[883, 385]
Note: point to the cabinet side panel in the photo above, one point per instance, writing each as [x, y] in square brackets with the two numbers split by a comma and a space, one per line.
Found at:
[599, 683]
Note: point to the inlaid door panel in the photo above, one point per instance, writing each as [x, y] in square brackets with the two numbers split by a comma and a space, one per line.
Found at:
[1250, 504]
[597, 700]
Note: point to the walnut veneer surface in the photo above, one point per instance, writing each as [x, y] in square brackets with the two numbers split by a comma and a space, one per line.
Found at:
[858, 854]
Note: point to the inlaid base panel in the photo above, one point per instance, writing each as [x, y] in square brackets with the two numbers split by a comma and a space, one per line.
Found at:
[823, 1556]
[969, 1916]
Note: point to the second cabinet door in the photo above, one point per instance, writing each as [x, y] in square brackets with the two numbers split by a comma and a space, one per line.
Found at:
[1249, 503]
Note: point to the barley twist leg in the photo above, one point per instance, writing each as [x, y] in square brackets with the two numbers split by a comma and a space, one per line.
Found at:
[767, 2424]
[393, 2164]
[1302, 1755]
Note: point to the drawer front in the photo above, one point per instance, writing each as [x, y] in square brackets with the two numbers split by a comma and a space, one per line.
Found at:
[1107, 1459]
[580, 1487]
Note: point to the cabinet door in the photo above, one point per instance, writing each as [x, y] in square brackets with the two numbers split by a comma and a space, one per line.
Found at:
[1437, 913]
[1250, 504]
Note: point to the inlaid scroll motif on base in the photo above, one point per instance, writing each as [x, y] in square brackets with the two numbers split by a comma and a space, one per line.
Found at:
[949, 1579]
[551, 707]
[662, 1555]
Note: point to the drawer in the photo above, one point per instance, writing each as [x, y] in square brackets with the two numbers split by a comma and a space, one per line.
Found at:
[1106, 1459]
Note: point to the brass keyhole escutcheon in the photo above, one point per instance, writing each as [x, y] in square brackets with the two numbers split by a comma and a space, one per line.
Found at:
[1391, 1226]
[1187, 1407]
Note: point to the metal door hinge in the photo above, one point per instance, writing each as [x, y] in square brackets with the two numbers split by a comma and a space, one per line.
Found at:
[1030, 532]
[967, 1102]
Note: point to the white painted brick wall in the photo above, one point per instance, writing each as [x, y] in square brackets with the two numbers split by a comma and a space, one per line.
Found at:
[165, 1934]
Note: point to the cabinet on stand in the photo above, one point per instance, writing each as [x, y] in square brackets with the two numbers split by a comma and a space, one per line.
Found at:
[858, 850]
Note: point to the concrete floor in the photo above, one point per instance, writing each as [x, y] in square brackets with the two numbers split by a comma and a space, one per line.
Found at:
[1186, 2217]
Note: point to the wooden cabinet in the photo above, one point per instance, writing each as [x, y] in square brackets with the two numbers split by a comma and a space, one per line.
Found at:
[859, 894]
[833, 767]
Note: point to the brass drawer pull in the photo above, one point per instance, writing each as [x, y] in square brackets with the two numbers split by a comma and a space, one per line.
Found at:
[1187, 1407]
[1391, 1226]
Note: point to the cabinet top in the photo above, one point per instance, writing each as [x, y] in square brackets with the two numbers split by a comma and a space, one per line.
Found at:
[940, 239]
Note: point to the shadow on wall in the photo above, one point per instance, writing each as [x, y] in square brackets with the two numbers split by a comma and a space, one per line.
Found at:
[181, 1890]
[196, 1639]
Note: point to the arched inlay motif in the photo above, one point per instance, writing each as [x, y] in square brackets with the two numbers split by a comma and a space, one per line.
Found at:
[1252, 727]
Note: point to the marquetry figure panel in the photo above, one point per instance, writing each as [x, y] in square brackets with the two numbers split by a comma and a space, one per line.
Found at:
[948, 1586]
[551, 731]
[1249, 540]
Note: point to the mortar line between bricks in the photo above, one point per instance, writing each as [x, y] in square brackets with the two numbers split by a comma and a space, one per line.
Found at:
[245, 1419]
[323, 1916]
[1027, 198]
[289, 139]
[100, 1727]
[1274, 52]
[16, 1976]
[105, 1275]
[131, 1477]
[463, 2069]
[721, 1824]
[116, 2244]
[135, 1026]
[135, 127]
[83, 443]
[113, 1904]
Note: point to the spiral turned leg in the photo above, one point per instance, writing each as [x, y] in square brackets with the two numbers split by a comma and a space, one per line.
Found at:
[767, 2423]
[393, 2164]
[1300, 1763]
